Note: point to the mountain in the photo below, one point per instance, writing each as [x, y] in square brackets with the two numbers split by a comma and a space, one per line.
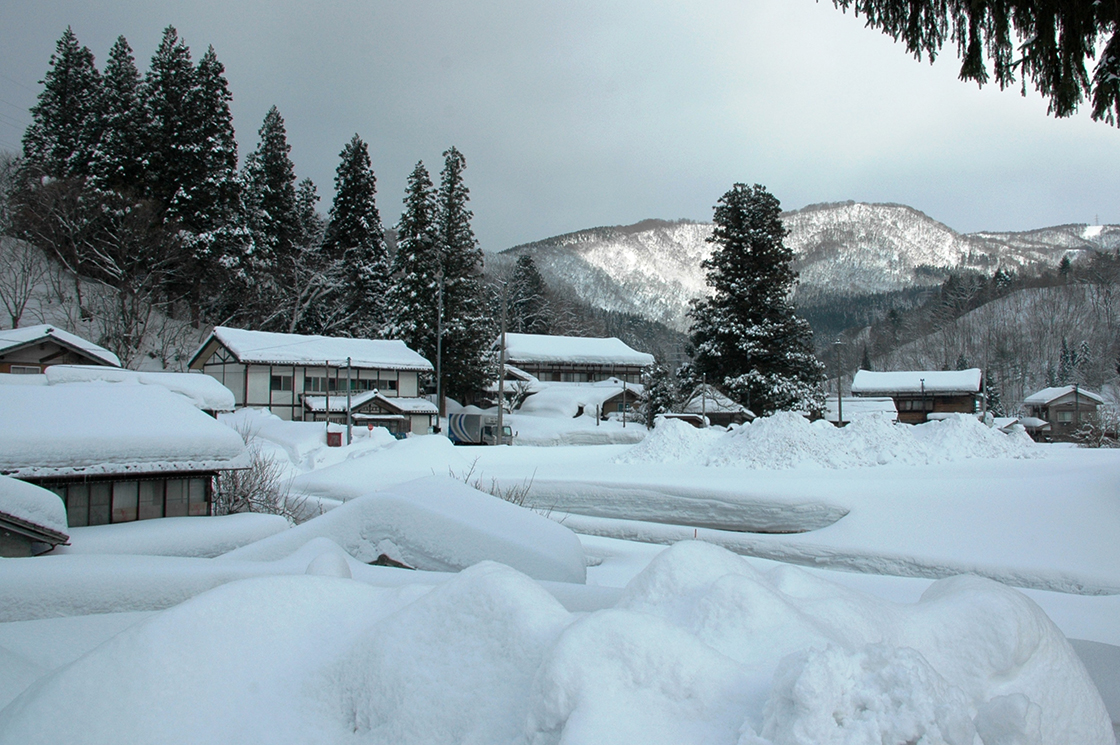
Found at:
[846, 250]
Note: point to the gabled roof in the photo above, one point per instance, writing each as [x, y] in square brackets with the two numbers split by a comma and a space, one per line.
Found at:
[867, 383]
[581, 350]
[13, 339]
[1047, 395]
[109, 428]
[32, 511]
[397, 404]
[709, 400]
[203, 391]
[272, 348]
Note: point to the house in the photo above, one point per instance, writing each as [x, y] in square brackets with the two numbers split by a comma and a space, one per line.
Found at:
[854, 408]
[1062, 410]
[605, 399]
[707, 401]
[397, 414]
[33, 349]
[115, 452]
[203, 391]
[919, 395]
[574, 359]
[277, 371]
[32, 520]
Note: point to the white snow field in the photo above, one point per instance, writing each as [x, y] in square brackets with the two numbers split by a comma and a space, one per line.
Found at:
[892, 629]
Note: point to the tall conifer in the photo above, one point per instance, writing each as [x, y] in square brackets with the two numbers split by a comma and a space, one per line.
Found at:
[413, 296]
[118, 162]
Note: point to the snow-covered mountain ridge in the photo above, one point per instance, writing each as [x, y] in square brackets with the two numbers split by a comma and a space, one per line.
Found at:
[653, 268]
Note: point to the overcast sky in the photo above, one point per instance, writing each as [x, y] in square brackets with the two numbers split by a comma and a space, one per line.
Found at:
[576, 114]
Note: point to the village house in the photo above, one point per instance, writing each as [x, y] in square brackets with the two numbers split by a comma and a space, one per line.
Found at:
[281, 372]
[574, 359]
[397, 414]
[32, 520]
[115, 452]
[710, 403]
[1057, 413]
[922, 395]
[33, 349]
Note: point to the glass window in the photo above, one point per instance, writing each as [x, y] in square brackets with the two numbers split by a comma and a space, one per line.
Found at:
[176, 498]
[26, 369]
[99, 500]
[281, 382]
[1065, 416]
[151, 499]
[125, 495]
[199, 504]
[77, 505]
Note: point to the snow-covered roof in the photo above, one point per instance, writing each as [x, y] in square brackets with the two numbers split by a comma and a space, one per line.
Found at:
[33, 505]
[566, 399]
[204, 391]
[272, 348]
[11, 339]
[581, 350]
[1047, 395]
[109, 428]
[408, 405]
[871, 383]
[855, 408]
[411, 405]
[707, 399]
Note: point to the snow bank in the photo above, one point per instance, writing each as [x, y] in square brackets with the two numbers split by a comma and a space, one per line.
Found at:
[201, 390]
[174, 536]
[439, 524]
[789, 440]
[570, 400]
[701, 647]
[32, 503]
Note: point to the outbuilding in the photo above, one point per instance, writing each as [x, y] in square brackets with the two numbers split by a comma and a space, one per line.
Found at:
[32, 520]
[33, 349]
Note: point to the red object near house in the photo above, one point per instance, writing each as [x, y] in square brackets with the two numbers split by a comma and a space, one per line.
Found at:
[334, 439]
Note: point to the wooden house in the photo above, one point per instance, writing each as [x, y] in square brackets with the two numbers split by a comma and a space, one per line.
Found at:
[278, 371]
[1062, 411]
[710, 403]
[920, 395]
[574, 359]
[33, 349]
[115, 452]
[399, 415]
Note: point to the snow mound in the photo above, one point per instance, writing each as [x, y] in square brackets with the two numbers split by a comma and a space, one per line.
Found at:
[203, 391]
[32, 503]
[202, 537]
[438, 524]
[701, 648]
[788, 440]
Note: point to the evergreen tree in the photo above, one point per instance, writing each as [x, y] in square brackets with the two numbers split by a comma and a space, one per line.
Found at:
[174, 156]
[118, 161]
[413, 296]
[962, 362]
[355, 237]
[468, 330]
[1067, 364]
[746, 336]
[659, 394]
[865, 362]
[66, 120]
[994, 393]
[527, 298]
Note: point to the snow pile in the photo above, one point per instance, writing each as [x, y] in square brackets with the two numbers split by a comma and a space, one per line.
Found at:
[438, 524]
[174, 536]
[702, 647]
[32, 504]
[203, 391]
[788, 440]
[570, 400]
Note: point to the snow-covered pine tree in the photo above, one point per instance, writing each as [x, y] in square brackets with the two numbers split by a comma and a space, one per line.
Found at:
[468, 329]
[118, 160]
[994, 393]
[66, 119]
[413, 295]
[356, 238]
[660, 393]
[174, 151]
[527, 299]
[746, 335]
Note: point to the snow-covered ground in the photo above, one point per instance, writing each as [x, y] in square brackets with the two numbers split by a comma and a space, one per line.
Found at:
[864, 612]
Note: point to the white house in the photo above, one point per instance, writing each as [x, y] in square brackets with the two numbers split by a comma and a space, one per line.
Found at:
[278, 371]
[574, 359]
[33, 349]
[115, 452]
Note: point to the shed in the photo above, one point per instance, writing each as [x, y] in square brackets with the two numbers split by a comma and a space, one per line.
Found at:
[918, 393]
[32, 519]
[33, 349]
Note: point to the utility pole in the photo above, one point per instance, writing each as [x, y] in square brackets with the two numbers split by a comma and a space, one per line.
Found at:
[439, 348]
[502, 371]
[624, 402]
[327, 392]
[925, 416]
[349, 423]
[704, 400]
[839, 388]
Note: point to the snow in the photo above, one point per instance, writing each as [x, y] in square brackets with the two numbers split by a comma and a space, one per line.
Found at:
[32, 504]
[266, 347]
[857, 407]
[569, 400]
[580, 350]
[174, 536]
[702, 646]
[12, 338]
[789, 440]
[870, 383]
[203, 391]
[1046, 395]
[437, 524]
[95, 428]
[710, 400]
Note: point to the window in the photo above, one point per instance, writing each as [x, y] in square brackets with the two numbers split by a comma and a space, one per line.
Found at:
[281, 382]
[198, 497]
[77, 505]
[1065, 417]
[151, 499]
[125, 494]
[100, 493]
[26, 369]
[176, 498]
